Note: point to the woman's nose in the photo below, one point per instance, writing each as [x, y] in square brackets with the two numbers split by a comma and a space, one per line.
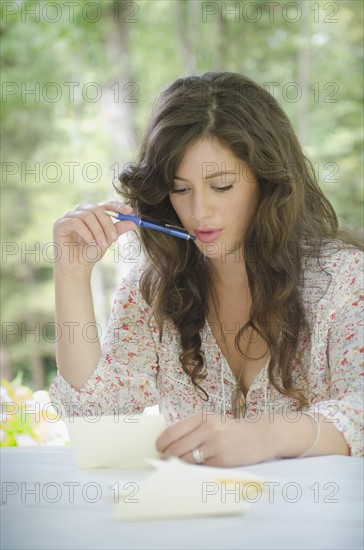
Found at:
[201, 206]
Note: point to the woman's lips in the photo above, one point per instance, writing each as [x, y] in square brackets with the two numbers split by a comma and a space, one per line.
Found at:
[208, 236]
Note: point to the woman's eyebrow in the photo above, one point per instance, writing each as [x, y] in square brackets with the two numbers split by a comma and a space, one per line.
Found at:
[218, 174]
[181, 179]
[210, 176]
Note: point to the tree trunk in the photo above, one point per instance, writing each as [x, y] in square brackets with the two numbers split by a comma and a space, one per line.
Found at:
[303, 73]
[119, 101]
[5, 366]
[38, 380]
[37, 372]
[187, 17]
[118, 111]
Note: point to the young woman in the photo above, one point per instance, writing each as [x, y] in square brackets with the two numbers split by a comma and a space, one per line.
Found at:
[247, 337]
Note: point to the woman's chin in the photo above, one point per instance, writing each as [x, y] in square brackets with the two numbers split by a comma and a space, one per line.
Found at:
[219, 251]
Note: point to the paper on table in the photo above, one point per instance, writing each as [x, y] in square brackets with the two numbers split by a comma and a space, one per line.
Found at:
[114, 441]
[181, 490]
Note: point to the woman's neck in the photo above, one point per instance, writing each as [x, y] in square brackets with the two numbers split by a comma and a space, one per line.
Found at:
[228, 275]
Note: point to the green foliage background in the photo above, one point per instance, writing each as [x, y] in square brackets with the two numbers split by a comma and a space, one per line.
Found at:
[136, 49]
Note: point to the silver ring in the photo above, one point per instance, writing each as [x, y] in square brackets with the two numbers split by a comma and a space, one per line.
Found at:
[198, 456]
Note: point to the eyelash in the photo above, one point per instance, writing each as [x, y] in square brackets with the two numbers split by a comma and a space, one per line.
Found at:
[218, 189]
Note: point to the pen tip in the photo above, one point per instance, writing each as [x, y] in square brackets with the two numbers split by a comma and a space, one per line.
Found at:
[111, 213]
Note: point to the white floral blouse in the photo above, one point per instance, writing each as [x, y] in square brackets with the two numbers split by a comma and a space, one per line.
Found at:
[137, 371]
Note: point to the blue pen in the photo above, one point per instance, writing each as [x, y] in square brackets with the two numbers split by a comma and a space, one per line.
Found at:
[169, 229]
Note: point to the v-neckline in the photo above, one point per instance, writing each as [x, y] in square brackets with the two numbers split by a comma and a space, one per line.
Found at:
[225, 363]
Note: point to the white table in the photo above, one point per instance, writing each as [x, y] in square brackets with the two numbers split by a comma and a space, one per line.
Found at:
[317, 504]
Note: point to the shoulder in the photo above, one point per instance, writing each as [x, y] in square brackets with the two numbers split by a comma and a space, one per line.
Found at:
[335, 273]
[343, 262]
[130, 283]
[133, 275]
[337, 255]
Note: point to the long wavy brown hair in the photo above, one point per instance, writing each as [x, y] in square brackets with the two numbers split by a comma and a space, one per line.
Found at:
[292, 210]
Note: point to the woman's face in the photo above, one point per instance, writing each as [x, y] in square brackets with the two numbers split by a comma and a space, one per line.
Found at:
[215, 195]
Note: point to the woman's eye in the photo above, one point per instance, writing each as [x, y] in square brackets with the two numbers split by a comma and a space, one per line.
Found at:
[218, 189]
[178, 190]
[221, 189]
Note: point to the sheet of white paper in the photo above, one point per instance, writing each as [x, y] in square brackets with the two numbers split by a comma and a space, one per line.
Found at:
[114, 441]
[180, 490]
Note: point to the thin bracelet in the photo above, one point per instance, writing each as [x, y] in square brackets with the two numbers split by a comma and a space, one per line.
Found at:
[317, 435]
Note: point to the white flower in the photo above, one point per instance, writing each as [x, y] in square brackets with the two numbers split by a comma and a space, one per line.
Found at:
[41, 396]
[4, 396]
[25, 440]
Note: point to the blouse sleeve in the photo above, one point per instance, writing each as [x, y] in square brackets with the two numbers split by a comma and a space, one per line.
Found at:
[124, 380]
[345, 354]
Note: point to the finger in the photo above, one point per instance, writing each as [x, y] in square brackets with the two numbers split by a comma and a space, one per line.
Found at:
[116, 206]
[98, 223]
[101, 226]
[177, 431]
[64, 226]
[124, 226]
[184, 445]
[207, 454]
[111, 230]
[121, 227]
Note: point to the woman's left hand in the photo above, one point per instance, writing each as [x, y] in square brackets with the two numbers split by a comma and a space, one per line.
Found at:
[223, 442]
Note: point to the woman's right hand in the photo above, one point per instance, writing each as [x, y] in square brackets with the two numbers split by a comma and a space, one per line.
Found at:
[84, 234]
